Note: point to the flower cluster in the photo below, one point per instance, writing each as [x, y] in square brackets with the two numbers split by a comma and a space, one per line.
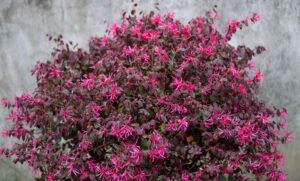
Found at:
[154, 99]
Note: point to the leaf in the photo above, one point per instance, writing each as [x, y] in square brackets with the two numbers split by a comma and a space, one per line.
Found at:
[222, 178]
[145, 143]
[189, 139]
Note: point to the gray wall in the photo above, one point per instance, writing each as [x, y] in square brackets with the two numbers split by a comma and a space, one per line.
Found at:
[24, 23]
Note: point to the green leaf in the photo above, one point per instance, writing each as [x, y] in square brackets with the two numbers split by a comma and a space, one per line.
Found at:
[222, 178]
[145, 143]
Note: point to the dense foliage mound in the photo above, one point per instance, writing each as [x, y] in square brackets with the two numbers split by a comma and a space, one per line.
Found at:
[154, 99]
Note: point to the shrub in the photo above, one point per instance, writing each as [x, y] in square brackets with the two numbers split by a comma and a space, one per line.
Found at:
[154, 99]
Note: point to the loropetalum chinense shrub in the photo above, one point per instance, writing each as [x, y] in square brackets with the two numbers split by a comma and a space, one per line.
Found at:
[152, 99]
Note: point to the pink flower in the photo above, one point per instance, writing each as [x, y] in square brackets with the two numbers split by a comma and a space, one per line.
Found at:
[156, 137]
[272, 175]
[157, 50]
[212, 168]
[121, 131]
[258, 76]
[185, 31]
[65, 113]
[135, 30]
[172, 28]
[127, 51]
[170, 14]
[102, 171]
[88, 81]
[255, 17]
[178, 83]
[177, 125]
[141, 175]
[241, 88]
[105, 79]
[213, 39]
[13, 115]
[234, 71]
[178, 108]
[113, 28]
[184, 176]
[91, 165]
[266, 158]
[255, 165]
[83, 173]
[264, 118]
[25, 96]
[190, 87]
[199, 22]
[37, 69]
[281, 176]
[251, 64]
[283, 124]
[71, 169]
[153, 79]
[205, 90]
[158, 151]
[197, 174]
[5, 132]
[103, 41]
[282, 112]
[84, 144]
[49, 177]
[94, 108]
[274, 132]
[146, 35]
[209, 50]
[225, 120]
[200, 48]
[232, 25]
[182, 124]
[171, 126]
[126, 175]
[160, 100]
[4, 101]
[114, 159]
[208, 122]
[134, 152]
[224, 133]
[145, 57]
[113, 91]
[55, 73]
[288, 137]
[156, 19]
[115, 177]
[153, 35]
[245, 133]
[278, 157]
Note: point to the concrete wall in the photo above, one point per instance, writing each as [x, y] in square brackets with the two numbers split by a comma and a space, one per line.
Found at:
[24, 23]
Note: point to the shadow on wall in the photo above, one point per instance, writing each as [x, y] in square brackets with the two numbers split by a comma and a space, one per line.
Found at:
[12, 172]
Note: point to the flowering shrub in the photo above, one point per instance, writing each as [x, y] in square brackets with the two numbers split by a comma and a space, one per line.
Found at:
[154, 99]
